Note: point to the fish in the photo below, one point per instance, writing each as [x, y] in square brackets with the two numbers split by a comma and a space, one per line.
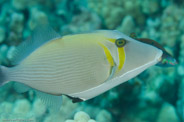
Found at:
[79, 66]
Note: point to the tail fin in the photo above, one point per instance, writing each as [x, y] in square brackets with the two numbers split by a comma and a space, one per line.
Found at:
[3, 75]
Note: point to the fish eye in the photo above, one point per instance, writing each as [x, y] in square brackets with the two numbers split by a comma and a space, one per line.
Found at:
[120, 42]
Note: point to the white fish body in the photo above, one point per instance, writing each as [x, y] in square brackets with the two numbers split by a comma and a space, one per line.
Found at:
[79, 66]
[64, 66]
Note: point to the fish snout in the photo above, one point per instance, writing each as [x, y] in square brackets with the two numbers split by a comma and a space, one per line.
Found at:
[167, 60]
[139, 54]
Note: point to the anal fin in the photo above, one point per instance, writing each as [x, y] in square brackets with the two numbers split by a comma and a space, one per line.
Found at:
[51, 101]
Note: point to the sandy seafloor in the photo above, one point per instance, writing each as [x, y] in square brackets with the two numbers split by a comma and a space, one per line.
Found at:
[156, 95]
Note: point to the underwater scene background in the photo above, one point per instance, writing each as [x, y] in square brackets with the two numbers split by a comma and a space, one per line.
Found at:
[156, 95]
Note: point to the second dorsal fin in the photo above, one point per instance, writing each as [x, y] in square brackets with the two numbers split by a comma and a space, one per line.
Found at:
[42, 34]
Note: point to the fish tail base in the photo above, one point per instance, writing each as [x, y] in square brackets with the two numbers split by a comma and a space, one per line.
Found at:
[2, 76]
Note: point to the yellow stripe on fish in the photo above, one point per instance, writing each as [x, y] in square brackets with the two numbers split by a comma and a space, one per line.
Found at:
[121, 54]
[111, 40]
[108, 54]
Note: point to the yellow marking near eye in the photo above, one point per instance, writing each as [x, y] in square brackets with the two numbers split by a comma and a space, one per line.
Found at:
[121, 53]
[108, 54]
[111, 40]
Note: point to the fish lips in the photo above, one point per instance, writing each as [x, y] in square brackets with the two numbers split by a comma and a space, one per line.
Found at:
[167, 60]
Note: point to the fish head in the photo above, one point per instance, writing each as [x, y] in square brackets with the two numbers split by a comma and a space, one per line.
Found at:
[132, 54]
[167, 60]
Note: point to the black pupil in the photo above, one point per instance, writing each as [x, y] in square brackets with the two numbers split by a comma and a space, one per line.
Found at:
[120, 42]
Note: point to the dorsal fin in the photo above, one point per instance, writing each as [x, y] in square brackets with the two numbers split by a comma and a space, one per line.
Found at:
[133, 35]
[42, 34]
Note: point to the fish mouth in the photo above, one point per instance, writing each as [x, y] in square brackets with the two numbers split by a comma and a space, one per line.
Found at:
[167, 60]
[174, 62]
